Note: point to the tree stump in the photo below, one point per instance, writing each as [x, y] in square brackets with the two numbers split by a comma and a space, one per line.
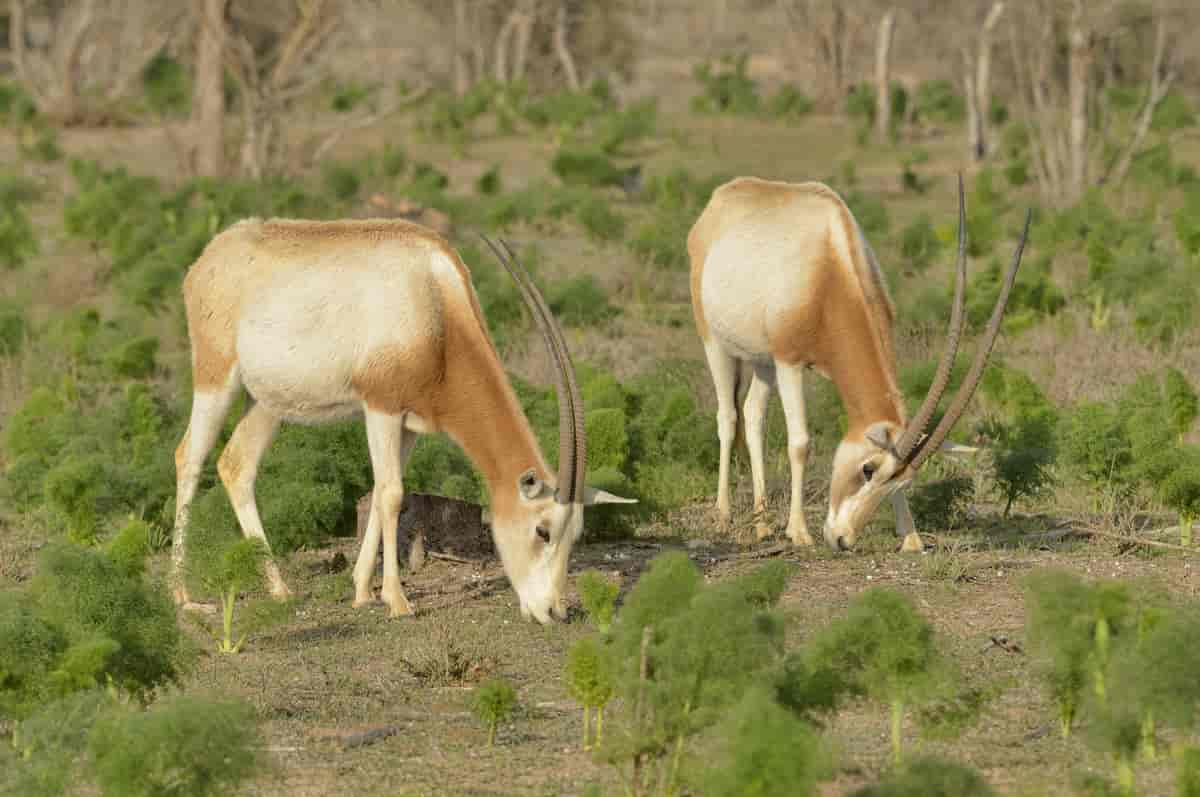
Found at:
[437, 524]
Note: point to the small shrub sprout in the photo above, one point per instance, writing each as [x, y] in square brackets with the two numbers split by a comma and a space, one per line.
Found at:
[493, 703]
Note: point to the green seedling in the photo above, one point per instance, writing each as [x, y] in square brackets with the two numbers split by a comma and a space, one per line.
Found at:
[1187, 772]
[239, 567]
[881, 647]
[493, 703]
[591, 680]
[599, 597]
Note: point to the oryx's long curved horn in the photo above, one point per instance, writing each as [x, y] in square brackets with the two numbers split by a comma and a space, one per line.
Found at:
[967, 390]
[910, 442]
[579, 438]
[563, 373]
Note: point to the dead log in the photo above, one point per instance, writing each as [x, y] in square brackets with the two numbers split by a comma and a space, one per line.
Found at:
[448, 529]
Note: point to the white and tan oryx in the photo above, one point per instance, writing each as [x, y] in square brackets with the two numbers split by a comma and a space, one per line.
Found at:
[320, 320]
[783, 279]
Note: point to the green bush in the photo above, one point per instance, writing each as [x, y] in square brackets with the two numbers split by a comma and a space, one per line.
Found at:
[599, 220]
[182, 745]
[586, 167]
[789, 103]
[941, 504]
[765, 751]
[938, 101]
[1181, 492]
[599, 598]
[13, 327]
[930, 777]
[1023, 455]
[166, 86]
[690, 680]
[590, 674]
[919, 243]
[617, 129]
[18, 242]
[580, 301]
[341, 179]
[1073, 629]
[882, 648]
[1187, 772]
[348, 96]
[493, 703]
[133, 359]
[726, 87]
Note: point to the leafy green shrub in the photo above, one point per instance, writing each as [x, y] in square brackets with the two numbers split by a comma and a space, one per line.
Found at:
[133, 359]
[930, 777]
[1174, 112]
[13, 327]
[941, 504]
[235, 566]
[341, 179]
[599, 220]
[881, 647]
[590, 680]
[674, 682]
[16, 106]
[1072, 629]
[789, 103]
[1023, 455]
[766, 751]
[726, 87]
[617, 129]
[910, 180]
[1183, 404]
[599, 598]
[919, 243]
[676, 199]
[348, 96]
[587, 167]
[1152, 688]
[938, 101]
[493, 703]
[100, 607]
[166, 86]
[18, 242]
[182, 745]
[1181, 492]
[130, 546]
[860, 103]
[1187, 772]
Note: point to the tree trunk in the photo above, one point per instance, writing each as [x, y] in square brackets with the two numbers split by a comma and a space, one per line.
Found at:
[974, 122]
[1160, 84]
[562, 49]
[208, 109]
[883, 93]
[528, 15]
[1079, 69]
[462, 77]
[983, 82]
[503, 45]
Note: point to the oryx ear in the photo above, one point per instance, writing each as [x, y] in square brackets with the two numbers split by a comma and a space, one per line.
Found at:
[957, 449]
[879, 434]
[592, 495]
[531, 486]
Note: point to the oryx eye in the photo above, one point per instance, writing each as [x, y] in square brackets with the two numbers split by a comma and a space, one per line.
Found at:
[868, 470]
[544, 533]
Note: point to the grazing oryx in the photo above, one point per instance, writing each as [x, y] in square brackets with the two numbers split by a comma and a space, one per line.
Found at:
[783, 279]
[319, 320]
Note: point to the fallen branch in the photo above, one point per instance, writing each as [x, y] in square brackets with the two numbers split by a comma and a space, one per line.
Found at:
[1140, 541]
[449, 557]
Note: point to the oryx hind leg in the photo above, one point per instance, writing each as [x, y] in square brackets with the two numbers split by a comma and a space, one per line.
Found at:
[210, 405]
[238, 469]
[724, 369]
[754, 412]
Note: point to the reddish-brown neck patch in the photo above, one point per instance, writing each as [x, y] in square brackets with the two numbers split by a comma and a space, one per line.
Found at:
[835, 331]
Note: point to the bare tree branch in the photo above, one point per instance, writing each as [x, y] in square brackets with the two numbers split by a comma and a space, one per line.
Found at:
[562, 49]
